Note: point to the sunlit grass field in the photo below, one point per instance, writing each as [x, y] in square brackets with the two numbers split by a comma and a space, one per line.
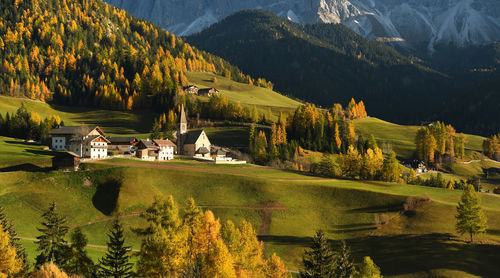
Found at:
[285, 208]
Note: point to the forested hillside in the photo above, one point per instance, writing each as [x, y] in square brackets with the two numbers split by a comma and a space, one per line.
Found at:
[475, 109]
[324, 64]
[89, 53]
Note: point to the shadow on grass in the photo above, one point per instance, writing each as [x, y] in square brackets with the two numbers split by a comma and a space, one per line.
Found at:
[105, 198]
[40, 152]
[350, 228]
[378, 209]
[27, 167]
[405, 254]
[140, 121]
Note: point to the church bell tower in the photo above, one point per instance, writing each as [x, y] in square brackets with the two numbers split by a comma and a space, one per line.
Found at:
[181, 130]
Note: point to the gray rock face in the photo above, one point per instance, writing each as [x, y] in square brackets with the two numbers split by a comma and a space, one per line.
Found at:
[412, 22]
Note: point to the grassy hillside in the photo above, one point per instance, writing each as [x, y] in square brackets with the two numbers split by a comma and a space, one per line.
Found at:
[402, 137]
[113, 122]
[285, 207]
[246, 95]
[239, 92]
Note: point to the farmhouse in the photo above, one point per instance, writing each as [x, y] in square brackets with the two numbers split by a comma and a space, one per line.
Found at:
[191, 143]
[190, 89]
[165, 149]
[121, 145]
[208, 92]
[86, 142]
[155, 150]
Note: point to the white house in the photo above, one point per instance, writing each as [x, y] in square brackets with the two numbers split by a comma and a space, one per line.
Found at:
[156, 149]
[166, 149]
[86, 142]
[94, 146]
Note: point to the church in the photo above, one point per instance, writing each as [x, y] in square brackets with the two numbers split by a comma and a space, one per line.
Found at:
[191, 142]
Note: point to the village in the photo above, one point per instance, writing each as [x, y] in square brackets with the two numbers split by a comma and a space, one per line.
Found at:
[75, 144]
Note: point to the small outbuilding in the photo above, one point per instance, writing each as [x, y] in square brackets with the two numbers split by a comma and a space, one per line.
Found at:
[208, 92]
[190, 89]
[65, 161]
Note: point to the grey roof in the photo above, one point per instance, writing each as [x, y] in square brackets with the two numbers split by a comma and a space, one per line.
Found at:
[121, 139]
[203, 150]
[192, 136]
[221, 152]
[69, 130]
[148, 144]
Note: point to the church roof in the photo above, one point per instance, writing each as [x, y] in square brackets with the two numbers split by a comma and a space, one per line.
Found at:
[203, 150]
[192, 136]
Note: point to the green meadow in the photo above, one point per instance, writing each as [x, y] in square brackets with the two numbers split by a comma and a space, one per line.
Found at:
[247, 95]
[401, 138]
[285, 208]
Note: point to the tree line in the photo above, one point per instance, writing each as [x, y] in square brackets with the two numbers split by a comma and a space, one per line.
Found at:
[27, 125]
[491, 147]
[174, 244]
[90, 53]
[329, 130]
[438, 143]
[369, 164]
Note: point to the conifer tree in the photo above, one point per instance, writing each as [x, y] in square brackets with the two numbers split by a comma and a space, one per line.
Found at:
[338, 141]
[163, 250]
[156, 130]
[250, 256]
[193, 221]
[218, 261]
[275, 268]
[14, 239]
[470, 217]
[344, 267]
[368, 269]
[319, 261]
[115, 263]
[251, 138]
[390, 169]
[52, 243]
[10, 264]
[351, 163]
[49, 270]
[79, 262]
[231, 236]
[372, 143]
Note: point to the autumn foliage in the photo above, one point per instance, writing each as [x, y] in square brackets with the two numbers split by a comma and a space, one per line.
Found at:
[90, 53]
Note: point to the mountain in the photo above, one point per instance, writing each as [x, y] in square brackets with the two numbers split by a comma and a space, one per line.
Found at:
[89, 53]
[411, 23]
[324, 63]
[475, 109]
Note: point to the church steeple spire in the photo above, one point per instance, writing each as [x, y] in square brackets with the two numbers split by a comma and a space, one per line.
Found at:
[182, 121]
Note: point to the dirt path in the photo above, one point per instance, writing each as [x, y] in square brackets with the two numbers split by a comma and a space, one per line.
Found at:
[88, 245]
[266, 208]
[477, 160]
[267, 211]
